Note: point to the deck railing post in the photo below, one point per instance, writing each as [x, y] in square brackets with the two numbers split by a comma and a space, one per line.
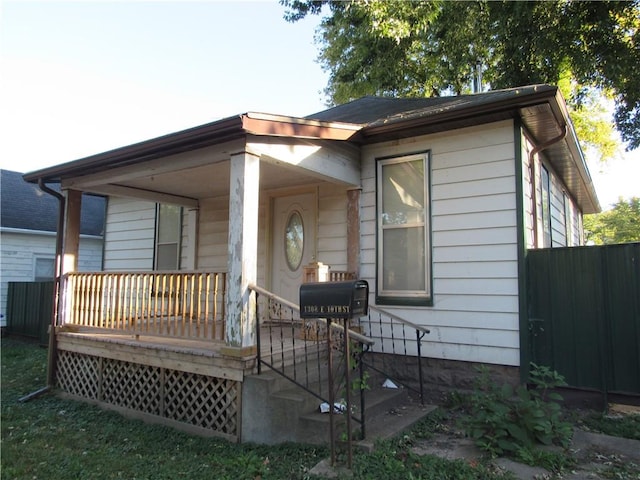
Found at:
[419, 343]
[258, 339]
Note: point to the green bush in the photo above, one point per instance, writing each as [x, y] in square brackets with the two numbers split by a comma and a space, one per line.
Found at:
[507, 420]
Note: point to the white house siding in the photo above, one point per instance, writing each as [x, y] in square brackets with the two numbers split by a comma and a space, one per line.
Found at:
[474, 316]
[331, 245]
[558, 198]
[19, 253]
[129, 234]
[528, 189]
[213, 234]
[558, 220]
[577, 230]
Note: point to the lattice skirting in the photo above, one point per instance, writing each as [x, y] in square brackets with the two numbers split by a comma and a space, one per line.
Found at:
[206, 402]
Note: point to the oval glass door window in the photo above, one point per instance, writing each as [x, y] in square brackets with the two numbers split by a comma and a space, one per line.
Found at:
[294, 240]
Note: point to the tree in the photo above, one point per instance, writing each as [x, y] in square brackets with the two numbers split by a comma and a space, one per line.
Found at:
[430, 48]
[621, 224]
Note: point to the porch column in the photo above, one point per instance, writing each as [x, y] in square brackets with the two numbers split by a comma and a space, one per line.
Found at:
[242, 263]
[71, 234]
[353, 231]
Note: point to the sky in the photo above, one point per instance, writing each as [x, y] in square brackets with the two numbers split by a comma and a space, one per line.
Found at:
[81, 77]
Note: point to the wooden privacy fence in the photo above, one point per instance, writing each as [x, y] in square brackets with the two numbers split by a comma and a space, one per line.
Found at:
[29, 309]
[584, 315]
[177, 304]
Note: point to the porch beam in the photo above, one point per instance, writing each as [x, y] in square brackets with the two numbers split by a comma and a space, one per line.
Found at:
[244, 183]
[142, 194]
[324, 160]
[277, 125]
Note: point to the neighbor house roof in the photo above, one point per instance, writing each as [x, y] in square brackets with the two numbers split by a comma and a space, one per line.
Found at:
[540, 109]
[24, 206]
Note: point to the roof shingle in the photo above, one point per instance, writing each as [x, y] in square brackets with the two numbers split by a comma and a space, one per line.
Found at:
[24, 206]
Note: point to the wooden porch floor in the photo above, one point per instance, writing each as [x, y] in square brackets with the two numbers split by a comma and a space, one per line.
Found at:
[285, 342]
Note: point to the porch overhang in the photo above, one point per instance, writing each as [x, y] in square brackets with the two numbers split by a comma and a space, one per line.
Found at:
[215, 133]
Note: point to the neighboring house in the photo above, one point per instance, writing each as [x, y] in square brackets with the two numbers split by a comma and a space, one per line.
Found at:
[28, 223]
[433, 201]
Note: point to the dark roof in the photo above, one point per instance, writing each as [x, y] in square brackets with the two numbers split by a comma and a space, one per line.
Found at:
[374, 111]
[23, 205]
[539, 109]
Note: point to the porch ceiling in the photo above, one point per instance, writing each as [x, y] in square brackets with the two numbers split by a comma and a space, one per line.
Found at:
[213, 180]
[189, 185]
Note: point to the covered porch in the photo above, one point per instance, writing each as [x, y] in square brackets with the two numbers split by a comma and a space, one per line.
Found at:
[151, 346]
[176, 346]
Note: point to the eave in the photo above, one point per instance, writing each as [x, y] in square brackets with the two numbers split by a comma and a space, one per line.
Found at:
[214, 133]
[543, 113]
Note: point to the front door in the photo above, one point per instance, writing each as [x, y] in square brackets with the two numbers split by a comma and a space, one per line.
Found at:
[293, 242]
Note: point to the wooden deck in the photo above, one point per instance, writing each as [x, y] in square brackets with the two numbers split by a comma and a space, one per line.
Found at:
[189, 384]
[208, 357]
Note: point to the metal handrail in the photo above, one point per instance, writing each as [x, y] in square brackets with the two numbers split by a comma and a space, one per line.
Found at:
[303, 351]
[420, 328]
[420, 332]
[354, 335]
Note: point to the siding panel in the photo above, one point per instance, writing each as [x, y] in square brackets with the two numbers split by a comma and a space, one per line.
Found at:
[331, 244]
[129, 234]
[474, 316]
[20, 250]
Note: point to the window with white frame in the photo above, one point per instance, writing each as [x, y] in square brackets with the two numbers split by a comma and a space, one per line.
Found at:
[403, 230]
[168, 235]
[43, 269]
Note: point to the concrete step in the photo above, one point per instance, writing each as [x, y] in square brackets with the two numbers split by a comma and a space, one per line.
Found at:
[388, 412]
[280, 411]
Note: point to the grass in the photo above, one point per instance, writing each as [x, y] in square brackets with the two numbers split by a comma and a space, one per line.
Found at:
[52, 438]
[621, 425]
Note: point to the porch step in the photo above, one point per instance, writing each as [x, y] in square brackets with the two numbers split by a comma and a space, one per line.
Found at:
[388, 412]
[275, 410]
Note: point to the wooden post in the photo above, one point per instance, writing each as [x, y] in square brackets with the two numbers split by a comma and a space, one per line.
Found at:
[353, 231]
[243, 250]
[71, 237]
[70, 249]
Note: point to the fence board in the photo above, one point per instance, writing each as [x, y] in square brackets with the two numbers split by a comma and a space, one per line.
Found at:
[584, 315]
[29, 309]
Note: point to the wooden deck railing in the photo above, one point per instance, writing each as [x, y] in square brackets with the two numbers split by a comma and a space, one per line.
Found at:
[339, 276]
[178, 304]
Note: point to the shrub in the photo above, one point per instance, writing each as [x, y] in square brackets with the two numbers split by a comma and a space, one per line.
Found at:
[504, 419]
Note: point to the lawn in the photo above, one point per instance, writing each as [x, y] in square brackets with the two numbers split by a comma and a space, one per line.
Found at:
[52, 438]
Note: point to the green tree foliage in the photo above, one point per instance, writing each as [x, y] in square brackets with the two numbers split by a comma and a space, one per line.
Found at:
[621, 224]
[429, 48]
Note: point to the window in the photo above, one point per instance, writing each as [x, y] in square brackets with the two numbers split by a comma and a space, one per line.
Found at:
[403, 236]
[294, 240]
[546, 208]
[168, 234]
[44, 269]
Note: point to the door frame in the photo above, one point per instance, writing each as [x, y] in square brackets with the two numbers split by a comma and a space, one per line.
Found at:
[281, 193]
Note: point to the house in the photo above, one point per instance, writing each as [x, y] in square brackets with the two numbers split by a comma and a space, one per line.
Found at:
[433, 201]
[28, 224]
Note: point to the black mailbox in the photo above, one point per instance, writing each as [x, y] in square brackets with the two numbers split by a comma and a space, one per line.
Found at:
[334, 299]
